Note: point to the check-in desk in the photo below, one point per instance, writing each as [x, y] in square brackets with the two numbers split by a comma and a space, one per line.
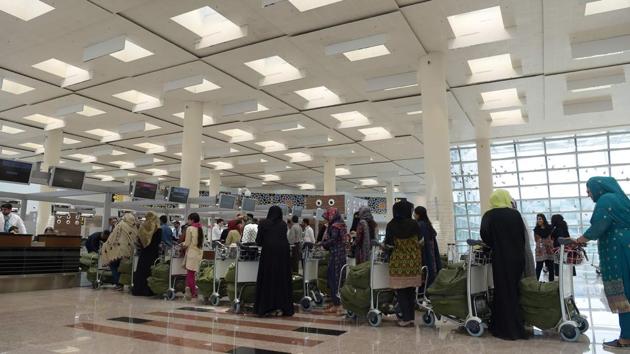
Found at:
[50, 263]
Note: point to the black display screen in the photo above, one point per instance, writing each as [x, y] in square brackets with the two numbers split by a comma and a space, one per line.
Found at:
[64, 178]
[178, 195]
[227, 201]
[15, 171]
[145, 190]
[249, 204]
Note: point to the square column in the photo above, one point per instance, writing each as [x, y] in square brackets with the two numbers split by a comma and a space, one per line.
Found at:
[191, 148]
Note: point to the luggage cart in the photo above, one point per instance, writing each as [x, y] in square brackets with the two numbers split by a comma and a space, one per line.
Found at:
[312, 294]
[379, 283]
[100, 268]
[176, 269]
[573, 324]
[246, 271]
[479, 289]
[221, 264]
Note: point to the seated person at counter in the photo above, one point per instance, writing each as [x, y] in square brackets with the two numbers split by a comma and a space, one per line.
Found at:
[9, 219]
[13, 230]
[49, 231]
[93, 243]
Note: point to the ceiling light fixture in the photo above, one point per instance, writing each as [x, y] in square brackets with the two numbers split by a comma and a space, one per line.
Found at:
[104, 178]
[105, 135]
[81, 109]
[342, 171]
[592, 88]
[496, 63]
[151, 148]
[10, 130]
[271, 146]
[259, 108]
[368, 182]
[299, 157]
[120, 48]
[599, 48]
[243, 107]
[123, 165]
[49, 123]
[351, 119]
[39, 148]
[283, 126]
[270, 177]
[237, 135]
[157, 172]
[595, 80]
[508, 117]
[207, 120]
[306, 186]
[500, 99]
[7, 152]
[392, 82]
[220, 165]
[360, 49]
[414, 113]
[25, 10]
[306, 5]
[140, 100]
[274, 70]
[375, 133]
[211, 26]
[318, 96]
[84, 158]
[70, 141]
[477, 27]
[69, 73]
[204, 86]
[13, 87]
[603, 6]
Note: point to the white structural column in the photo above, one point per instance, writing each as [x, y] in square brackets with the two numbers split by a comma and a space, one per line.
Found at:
[389, 193]
[191, 148]
[484, 164]
[214, 187]
[432, 78]
[52, 153]
[330, 177]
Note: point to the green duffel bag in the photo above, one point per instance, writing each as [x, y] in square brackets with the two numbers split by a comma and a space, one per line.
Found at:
[355, 299]
[88, 260]
[455, 305]
[359, 276]
[449, 282]
[91, 274]
[248, 294]
[125, 279]
[160, 270]
[230, 274]
[205, 279]
[125, 266]
[159, 286]
[540, 303]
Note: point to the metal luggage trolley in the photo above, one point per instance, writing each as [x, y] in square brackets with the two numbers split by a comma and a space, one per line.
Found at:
[379, 283]
[101, 268]
[573, 324]
[310, 263]
[176, 269]
[221, 264]
[246, 271]
[479, 289]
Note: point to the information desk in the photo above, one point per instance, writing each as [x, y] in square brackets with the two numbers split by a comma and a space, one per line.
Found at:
[52, 263]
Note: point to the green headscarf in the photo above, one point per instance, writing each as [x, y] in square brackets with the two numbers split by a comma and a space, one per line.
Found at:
[500, 198]
[602, 185]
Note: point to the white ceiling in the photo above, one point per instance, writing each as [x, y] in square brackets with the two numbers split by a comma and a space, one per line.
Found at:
[541, 37]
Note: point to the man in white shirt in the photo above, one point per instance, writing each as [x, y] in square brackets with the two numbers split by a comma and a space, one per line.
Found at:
[309, 234]
[10, 219]
[250, 232]
[217, 229]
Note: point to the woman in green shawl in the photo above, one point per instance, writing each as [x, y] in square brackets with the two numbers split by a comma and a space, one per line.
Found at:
[610, 226]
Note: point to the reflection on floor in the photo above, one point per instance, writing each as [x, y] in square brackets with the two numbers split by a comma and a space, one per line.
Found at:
[83, 320]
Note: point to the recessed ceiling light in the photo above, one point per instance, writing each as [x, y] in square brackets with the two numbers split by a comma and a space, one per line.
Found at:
[306, 186]
[207, 120]
[88, 111]
[220, 165]
[117, 153]
[13, 87]
[299, 157]
[375, 133]
[178, 154]
[85, 158]
[151, 148]
[508, 117]
[342, 171]
[157, 172]
[369, 182]
[400, 87]
[140, 100]
[7, 152]
[103, 133]
[259, 108]
[413, 113]
[211, 26]
[270, 177]
[131, 52]
[500, 99]
[283, 126]
[70, 73]
[305, 5]
[602, 6]
[104, 178]
[592, 88]
[204, 86]
[49, 122]
[319, 93]
[476, 22]
[367, 53]
[25, 10]
[33, 146]
[271, 146]
[274, 69]
[69, 141]
[237, 135]
[351, 119]
[10, 130]
[123, 165]
[502, 62]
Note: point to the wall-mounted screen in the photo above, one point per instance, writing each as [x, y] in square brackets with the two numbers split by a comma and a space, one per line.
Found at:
[15, 171]
[178, 195]
[227, 201]
[144, 190]
[248, 204]
[64, 178]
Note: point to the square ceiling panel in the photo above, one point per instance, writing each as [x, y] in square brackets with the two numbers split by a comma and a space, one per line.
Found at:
[16, 90]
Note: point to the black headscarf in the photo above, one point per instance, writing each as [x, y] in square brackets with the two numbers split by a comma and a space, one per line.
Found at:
[402, 225]
[402, 210]
[274, 215]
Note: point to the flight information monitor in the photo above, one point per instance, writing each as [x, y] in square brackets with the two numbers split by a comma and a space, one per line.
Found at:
[15, 171]
[64, 178]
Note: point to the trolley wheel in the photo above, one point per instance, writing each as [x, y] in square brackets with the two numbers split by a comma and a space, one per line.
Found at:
[581, 322]
[398, 312]
[306, 303]
[214, 299]
[96, 285]
[474, 327]
[374, 318]
[236, 306]
[170, 294]
[569, 332]
[428, 319]
[351, 315]
[318, 297]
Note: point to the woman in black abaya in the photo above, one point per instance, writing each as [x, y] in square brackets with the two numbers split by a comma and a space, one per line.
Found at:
[274, 294]
[503, 230]
[150, 236]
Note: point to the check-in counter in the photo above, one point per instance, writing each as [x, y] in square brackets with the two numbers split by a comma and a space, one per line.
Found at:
[51, 263]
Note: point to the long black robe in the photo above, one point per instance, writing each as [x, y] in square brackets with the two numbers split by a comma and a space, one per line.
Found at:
[146, 259]
[502, 230]
[273, 285]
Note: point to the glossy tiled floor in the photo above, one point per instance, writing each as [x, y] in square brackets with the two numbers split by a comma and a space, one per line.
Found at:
[83, 320]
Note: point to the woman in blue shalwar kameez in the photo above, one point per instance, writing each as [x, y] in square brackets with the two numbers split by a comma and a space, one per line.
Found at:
[610, 226]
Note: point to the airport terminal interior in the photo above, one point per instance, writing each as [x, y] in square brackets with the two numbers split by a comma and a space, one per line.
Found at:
[240, 176]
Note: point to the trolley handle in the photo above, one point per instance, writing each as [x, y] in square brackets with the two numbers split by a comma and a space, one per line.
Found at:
[472, 242]
[566, 241]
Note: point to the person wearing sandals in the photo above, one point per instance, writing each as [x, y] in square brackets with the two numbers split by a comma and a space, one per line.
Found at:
[274, 291]
[610, 227]
[405, 265]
